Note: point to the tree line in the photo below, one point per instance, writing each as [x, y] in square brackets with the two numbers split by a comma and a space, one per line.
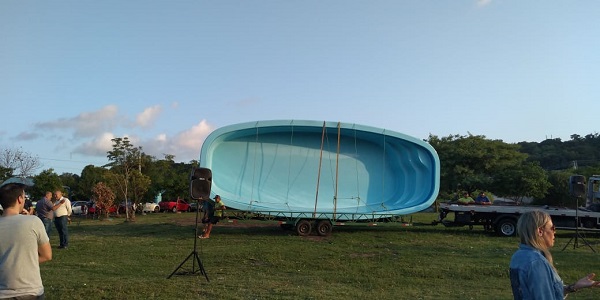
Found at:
[130, 174]
[540, 171]
[469, 163]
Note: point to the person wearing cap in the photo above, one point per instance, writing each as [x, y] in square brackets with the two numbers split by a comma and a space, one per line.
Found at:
[61, 218]
[24, 245]
[212, 214]
[44, 209]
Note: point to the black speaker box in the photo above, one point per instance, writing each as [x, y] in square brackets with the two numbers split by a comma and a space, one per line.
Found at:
[577, 185]
[200, 183]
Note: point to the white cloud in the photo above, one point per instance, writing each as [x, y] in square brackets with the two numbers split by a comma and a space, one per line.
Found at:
[192, 138]
[90, 134]
[86, 124]
[185, 145]
[96, 147]
[148, 116]
[161, 138]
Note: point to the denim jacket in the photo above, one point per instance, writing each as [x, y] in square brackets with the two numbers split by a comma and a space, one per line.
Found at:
[532, 276]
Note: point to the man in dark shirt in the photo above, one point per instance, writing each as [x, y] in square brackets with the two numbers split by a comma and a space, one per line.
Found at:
[45, 211]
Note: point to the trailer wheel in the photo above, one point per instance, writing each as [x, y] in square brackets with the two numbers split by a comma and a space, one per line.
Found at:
[303, 227]
[324, 228]
[506, 227]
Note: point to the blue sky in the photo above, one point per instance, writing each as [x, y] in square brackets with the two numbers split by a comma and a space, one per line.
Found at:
[74, 74]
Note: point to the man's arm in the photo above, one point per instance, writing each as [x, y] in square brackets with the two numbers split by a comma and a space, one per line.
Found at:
[45, 252]
[58, 204]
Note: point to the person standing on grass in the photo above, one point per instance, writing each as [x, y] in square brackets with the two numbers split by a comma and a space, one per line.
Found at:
[532, 272]
[61, 218]
[24, 244]
[44, 209]
[212, 215]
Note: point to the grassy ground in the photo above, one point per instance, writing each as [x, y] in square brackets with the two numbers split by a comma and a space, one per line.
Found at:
[113, 259]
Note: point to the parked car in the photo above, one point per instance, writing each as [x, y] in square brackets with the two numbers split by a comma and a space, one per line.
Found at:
[122, 205]
[174, 205]
[95, 209]
[149, 207]
[80, 207]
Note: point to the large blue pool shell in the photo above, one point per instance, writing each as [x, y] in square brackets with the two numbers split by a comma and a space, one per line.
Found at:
[279, 166]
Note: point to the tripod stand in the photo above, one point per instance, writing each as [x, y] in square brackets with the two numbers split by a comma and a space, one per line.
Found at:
[194, 254]
[577, 235]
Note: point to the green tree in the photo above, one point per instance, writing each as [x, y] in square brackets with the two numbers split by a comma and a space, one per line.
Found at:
[558, 193]
[46, 181]
[524, 180]
[169, 178]
[139, 186]
[124, 157]
[5, 173]
[90, 176]
[474, 163]
[72, 181]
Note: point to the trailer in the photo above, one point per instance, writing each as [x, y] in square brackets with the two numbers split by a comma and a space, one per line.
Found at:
[503, 218]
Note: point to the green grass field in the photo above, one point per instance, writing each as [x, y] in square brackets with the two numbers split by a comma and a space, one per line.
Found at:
[113, 259]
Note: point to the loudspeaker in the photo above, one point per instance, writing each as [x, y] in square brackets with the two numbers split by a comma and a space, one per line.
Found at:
[200, 183]
[577, 185]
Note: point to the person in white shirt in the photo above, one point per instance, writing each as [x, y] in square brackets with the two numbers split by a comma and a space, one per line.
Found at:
[61, 218]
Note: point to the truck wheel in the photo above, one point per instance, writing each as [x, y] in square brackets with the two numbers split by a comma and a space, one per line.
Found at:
[174, 209]
[324, 228]
[506, 227]
[303, 227]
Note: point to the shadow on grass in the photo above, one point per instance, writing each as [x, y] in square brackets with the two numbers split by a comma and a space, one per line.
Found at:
[171, 225]
[170, 228]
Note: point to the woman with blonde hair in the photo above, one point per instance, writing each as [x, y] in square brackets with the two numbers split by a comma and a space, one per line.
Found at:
[532, 272]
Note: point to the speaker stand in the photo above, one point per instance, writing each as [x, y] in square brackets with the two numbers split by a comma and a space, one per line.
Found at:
[577, 234]
[193, 255]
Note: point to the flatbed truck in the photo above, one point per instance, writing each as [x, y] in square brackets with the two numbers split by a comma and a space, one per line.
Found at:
[503, 218]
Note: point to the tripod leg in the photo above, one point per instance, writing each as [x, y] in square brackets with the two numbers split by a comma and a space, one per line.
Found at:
[587, 244]
[201, 266]
[565, 247]
[196, 257]
[181, 264]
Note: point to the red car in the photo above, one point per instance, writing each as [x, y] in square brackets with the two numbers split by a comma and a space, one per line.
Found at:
[174, 205]
[95, 209]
